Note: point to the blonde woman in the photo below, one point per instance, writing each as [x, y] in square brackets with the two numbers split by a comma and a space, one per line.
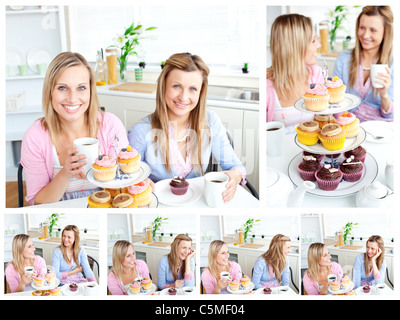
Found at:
[178, 138]
[315, 279]
[218, 262]
[23, 252]
[374, 45]
[126, 268]
[176, 269]
[69, 261]
[294, 47]
[272, 268]
[71, 111]
[370, 267]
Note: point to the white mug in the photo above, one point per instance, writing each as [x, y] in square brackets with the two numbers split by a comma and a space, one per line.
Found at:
[332, 277]
[380, 288]
[225, 275]
[275, 131]
[284, 290]
[29, 270]
[91, 289]
[214, 186]
[375, 69]
[89, 147]
[188, 291]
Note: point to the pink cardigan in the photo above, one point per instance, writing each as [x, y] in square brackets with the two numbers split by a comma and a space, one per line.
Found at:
[209, 282]
[116, 287]
[13, 277]
[37, 151]
[312, 287]
[315, 77]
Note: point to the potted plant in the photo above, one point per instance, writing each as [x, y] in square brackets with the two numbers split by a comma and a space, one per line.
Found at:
[248, 227]
[53, 221]
[156, 225]
[142, 64]
[162, 64]
[338, 17]
[245, 68]
[347, 229]
[253, 238]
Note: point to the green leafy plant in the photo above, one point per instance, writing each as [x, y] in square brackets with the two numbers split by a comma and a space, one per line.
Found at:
[53, 220]
[338, 16]
[156, 224]
[347, 229]
[248, 226]
[128, 44]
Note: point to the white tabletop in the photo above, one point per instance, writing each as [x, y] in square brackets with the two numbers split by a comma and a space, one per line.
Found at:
[382, 152]
[80, 292]
[242, 199]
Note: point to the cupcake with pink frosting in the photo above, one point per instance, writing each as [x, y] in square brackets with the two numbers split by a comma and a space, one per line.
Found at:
[316, 97]
[129, 160]
[104, 168]
[141, 192]
[349, 123]
[336, 89]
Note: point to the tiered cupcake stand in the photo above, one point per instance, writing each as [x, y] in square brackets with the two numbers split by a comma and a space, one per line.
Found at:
[334, 158]
[123, 180]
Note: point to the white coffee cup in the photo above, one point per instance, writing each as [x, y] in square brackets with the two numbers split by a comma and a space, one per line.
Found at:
[88, 147]
[275, 138]
[284, 290]
[29, 270]
[187, 291]
[375, 70]
[380, 288]
[225, 275]
[214, 186]
[91, 289]
[332, 277]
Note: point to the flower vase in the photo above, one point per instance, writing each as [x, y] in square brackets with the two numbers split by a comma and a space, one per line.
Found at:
[122, 70]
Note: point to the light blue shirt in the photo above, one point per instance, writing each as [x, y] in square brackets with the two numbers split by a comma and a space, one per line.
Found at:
[359, 274]
[261, 275]
[165, 277]
[141, 138]
[342, 71]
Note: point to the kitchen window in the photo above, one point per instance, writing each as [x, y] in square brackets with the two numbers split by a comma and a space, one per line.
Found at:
[224, 36]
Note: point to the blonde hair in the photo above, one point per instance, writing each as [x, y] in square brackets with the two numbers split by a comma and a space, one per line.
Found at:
[76, 245]
[197, 118]
[173, 257]
[120, 250]
[18, 246]
[51, 120]
[214, 248]
[291, 35]
[381, 245]
[315, 252]
[386, 47]
[274, 255]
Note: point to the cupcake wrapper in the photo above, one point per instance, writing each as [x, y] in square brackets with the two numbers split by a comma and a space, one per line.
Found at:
[316, 104]
[328, 185]
[334, 144]
[336, 97]
[306, 175]
[179, 191]
[105, 175]
[129, 167]
[309, 138]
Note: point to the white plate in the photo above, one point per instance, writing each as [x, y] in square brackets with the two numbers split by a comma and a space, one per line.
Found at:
[14, 57]
[345, 188]
[165, 195]
[342, 290]
[144, 292]
[360, 292]
[349, 144]
[67, 292]
[379, 128]
[124, 180]
[241, 289]
[38, 55]
[350, 101]
[46, 286]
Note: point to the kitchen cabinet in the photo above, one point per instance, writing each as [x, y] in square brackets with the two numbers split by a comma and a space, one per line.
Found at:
[240, 120]
[31, 30]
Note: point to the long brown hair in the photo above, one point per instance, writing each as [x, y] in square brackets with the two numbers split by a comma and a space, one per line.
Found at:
[76, 245]
[386, 47]
[381, 245]
[291, 35]
[274, 255]
[197, 118]
[51, 120]
[173, 258]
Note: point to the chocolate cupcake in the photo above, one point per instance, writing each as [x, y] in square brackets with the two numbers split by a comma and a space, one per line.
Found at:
[328, 178]
[172, 291]
[73, 287]
[308, 167]
[366, 289]
[179, 186]
[360, 153]
[317, 156]
[267, 290]
[352, 169]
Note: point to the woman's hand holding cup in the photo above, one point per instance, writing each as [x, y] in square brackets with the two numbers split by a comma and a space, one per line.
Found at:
[73, 164]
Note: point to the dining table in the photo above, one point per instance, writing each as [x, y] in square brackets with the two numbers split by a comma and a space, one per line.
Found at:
[381, 151]
[242, 198]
